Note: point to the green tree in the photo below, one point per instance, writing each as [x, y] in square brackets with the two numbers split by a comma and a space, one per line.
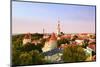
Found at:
[36, 36]
[85, 43]
[28, 53]
[74, 37]
[42, 42]
[37, 58]
[28, 47]
[15, 57]
[39, 47]
[25, 58]
[63, 41]
[73, 53]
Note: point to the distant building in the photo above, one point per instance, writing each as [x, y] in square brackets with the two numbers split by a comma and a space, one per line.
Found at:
[45, 36]
[79, 42]
[35, 42]
[68, 36]
[27, 38]
[50, 44]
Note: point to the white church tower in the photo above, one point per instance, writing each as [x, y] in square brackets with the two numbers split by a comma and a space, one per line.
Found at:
[58, 27]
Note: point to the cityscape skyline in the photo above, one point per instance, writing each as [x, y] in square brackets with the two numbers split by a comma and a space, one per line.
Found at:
[34, 17]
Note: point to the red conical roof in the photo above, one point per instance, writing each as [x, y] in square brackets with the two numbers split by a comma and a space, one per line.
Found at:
[53, 37]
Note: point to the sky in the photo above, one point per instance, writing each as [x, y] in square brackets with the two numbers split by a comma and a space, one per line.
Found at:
[34, 17]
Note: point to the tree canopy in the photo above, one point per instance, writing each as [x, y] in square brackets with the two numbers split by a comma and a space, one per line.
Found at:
[73, 53]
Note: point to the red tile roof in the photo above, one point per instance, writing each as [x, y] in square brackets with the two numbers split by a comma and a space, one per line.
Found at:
[66, 36]
[92, 46]
[53, 37]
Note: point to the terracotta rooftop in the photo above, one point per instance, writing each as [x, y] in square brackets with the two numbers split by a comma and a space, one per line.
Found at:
[92, 46]
[66, 36]
[53, 37]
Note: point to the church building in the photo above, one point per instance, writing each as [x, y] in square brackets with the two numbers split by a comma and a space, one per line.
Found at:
[27, 38]
[50, 44]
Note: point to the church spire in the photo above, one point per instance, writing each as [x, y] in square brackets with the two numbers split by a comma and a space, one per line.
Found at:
[58, 26]
[43, 31]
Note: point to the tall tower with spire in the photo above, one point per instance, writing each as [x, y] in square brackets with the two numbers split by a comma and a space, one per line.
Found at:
[43, 31]
[58, 27]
